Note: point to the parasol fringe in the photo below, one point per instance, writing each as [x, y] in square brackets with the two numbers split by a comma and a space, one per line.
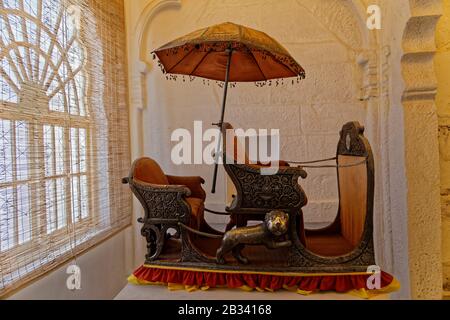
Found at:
[260, 84]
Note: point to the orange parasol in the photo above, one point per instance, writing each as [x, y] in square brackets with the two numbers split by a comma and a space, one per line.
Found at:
[231, 53]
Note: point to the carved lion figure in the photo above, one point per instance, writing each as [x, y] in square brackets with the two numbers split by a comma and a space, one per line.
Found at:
[276, 224]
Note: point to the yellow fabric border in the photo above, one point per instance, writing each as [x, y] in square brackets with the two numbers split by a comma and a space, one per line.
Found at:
[285, 274]
[362, 293]
[369, 294]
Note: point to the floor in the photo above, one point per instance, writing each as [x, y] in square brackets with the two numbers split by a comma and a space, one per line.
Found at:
[133, 292]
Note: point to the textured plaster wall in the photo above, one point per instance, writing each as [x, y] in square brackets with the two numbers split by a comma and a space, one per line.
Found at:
[442, 64]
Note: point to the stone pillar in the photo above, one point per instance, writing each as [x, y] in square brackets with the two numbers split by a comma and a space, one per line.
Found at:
[422, 150]
[442, 65]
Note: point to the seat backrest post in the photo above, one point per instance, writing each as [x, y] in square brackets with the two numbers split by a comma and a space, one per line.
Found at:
[355, 183]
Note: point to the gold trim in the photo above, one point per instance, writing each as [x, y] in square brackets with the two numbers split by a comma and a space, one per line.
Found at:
[361, 293]
[286, 274]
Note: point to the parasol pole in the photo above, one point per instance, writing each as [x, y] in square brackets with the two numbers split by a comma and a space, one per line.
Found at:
[222, 117]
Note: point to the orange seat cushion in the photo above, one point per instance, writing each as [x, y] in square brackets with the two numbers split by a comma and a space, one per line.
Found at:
[197, 207]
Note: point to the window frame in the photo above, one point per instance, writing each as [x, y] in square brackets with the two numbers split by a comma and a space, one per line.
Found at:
[38, 228]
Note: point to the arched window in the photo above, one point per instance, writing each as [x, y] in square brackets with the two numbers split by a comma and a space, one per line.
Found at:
[47, 186]
[43, 87]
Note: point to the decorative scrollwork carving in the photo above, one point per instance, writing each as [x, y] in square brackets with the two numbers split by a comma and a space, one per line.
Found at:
[367, 257]
[164, 207]
[296, 259]
[190, 254]
[267, 192]
[155, 236]
[351, 141]
[162, 202]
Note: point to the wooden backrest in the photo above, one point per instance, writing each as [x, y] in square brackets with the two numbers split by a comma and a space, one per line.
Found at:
[353, 197]
[355, 180]
[238, 150]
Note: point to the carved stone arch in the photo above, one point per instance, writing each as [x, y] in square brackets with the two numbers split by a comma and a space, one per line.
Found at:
[149, 12]
[342, 18]
[139, 63]
[422, 149]
[369, 38]
[138, 47]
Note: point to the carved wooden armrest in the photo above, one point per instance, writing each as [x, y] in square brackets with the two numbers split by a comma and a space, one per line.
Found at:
[162, 202]
[193, 183]
[165, 188]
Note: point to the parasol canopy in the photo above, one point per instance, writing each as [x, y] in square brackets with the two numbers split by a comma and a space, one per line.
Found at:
[203, 53]
[228, 52]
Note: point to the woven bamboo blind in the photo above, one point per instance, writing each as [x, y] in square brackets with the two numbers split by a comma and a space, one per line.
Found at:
[64, 132]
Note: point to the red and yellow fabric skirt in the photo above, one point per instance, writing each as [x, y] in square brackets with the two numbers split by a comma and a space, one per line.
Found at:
[191, 279]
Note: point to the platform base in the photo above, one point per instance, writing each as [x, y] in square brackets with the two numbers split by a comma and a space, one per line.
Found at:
[192, 279]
